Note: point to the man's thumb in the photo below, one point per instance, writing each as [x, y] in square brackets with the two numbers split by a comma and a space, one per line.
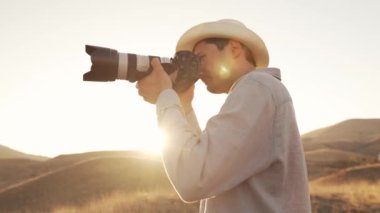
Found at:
[155, 63]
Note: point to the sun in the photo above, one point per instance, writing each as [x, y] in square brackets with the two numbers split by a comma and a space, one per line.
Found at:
[153, 143]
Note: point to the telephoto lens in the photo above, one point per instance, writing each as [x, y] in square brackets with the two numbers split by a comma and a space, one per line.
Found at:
[110, 65]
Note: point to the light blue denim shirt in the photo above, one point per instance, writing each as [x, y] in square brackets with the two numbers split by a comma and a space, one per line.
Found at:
[249, 157]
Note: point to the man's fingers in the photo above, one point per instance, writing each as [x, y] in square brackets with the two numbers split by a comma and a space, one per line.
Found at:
[155, 64]
[151, 85]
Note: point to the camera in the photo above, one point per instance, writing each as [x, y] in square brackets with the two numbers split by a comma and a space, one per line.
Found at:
[110, 65]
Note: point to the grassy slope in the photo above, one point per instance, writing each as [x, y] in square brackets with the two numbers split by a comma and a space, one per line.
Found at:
[139, 202]
[322, 162]
[357, 130]
[350, 190]
[334, 156]
[346, 144]
[364, 173]
[16, 170]
[89, 181]
[86, 181]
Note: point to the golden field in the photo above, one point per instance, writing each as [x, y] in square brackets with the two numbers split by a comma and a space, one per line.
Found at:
[144, 202]
[344, 176]
[354, 189]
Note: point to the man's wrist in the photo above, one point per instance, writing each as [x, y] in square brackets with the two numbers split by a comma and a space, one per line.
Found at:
[187, 108]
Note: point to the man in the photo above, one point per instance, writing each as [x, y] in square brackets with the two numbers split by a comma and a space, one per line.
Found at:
[249, 157]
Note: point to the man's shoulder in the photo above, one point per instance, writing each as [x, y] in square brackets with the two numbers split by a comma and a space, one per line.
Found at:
[269, 74]
[268, 79]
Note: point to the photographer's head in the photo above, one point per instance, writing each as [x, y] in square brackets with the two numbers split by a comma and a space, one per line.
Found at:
[223, 61]
[227, 49]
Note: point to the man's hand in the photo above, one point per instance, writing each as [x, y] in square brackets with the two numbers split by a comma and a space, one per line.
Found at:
[186, 96]
[152, 85]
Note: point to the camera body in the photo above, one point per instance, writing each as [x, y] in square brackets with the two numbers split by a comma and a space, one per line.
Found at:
[110, 65]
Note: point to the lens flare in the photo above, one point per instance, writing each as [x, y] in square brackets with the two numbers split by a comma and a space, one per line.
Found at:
[155, 144]
[224, 72]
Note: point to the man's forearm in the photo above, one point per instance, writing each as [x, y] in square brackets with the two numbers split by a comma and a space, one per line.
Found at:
[192, 119]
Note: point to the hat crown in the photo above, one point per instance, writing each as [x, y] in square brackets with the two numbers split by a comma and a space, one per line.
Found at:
[232, 21]
[226, 28]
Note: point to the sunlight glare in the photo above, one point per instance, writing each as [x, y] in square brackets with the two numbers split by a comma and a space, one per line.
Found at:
[224, 72]
[154, 143]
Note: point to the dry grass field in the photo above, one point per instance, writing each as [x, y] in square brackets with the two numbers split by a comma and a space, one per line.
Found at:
[354, 189]
[93, 181]
[341, 162]
[344, 176]
[139, 184]
[141, 201]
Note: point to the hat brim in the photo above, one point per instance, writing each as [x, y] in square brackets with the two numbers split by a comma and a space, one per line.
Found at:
[226, 29]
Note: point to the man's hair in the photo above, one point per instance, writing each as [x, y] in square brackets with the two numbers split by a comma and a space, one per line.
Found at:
[222, 42]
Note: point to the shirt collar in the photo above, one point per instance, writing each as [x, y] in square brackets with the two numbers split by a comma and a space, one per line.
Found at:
[275, 72]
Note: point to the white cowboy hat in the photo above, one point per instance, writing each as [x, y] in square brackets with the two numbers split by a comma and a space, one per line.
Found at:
[226, 28]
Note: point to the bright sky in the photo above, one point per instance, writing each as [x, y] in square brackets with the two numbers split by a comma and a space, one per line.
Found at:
[328, 51]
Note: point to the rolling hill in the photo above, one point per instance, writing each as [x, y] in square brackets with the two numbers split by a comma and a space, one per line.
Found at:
[346, 144]
[8, 153]
[14, 171]
[354, 189]
[349, 135]
[131, 181]
[335, 156]
[364, 173]
[79, 179]
[343, 167]
[16, 166]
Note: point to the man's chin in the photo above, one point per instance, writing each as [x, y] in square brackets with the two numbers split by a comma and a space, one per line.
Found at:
[214, 90]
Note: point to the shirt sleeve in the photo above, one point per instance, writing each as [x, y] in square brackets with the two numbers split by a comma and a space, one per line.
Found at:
[235, 145]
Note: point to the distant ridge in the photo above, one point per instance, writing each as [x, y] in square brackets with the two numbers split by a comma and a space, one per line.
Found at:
[77, 179]
[346, 144]
[13, 171]
[354, 130]
[8, 153]
[355, 135]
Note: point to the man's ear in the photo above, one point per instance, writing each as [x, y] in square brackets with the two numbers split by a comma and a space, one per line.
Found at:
[236, 48]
